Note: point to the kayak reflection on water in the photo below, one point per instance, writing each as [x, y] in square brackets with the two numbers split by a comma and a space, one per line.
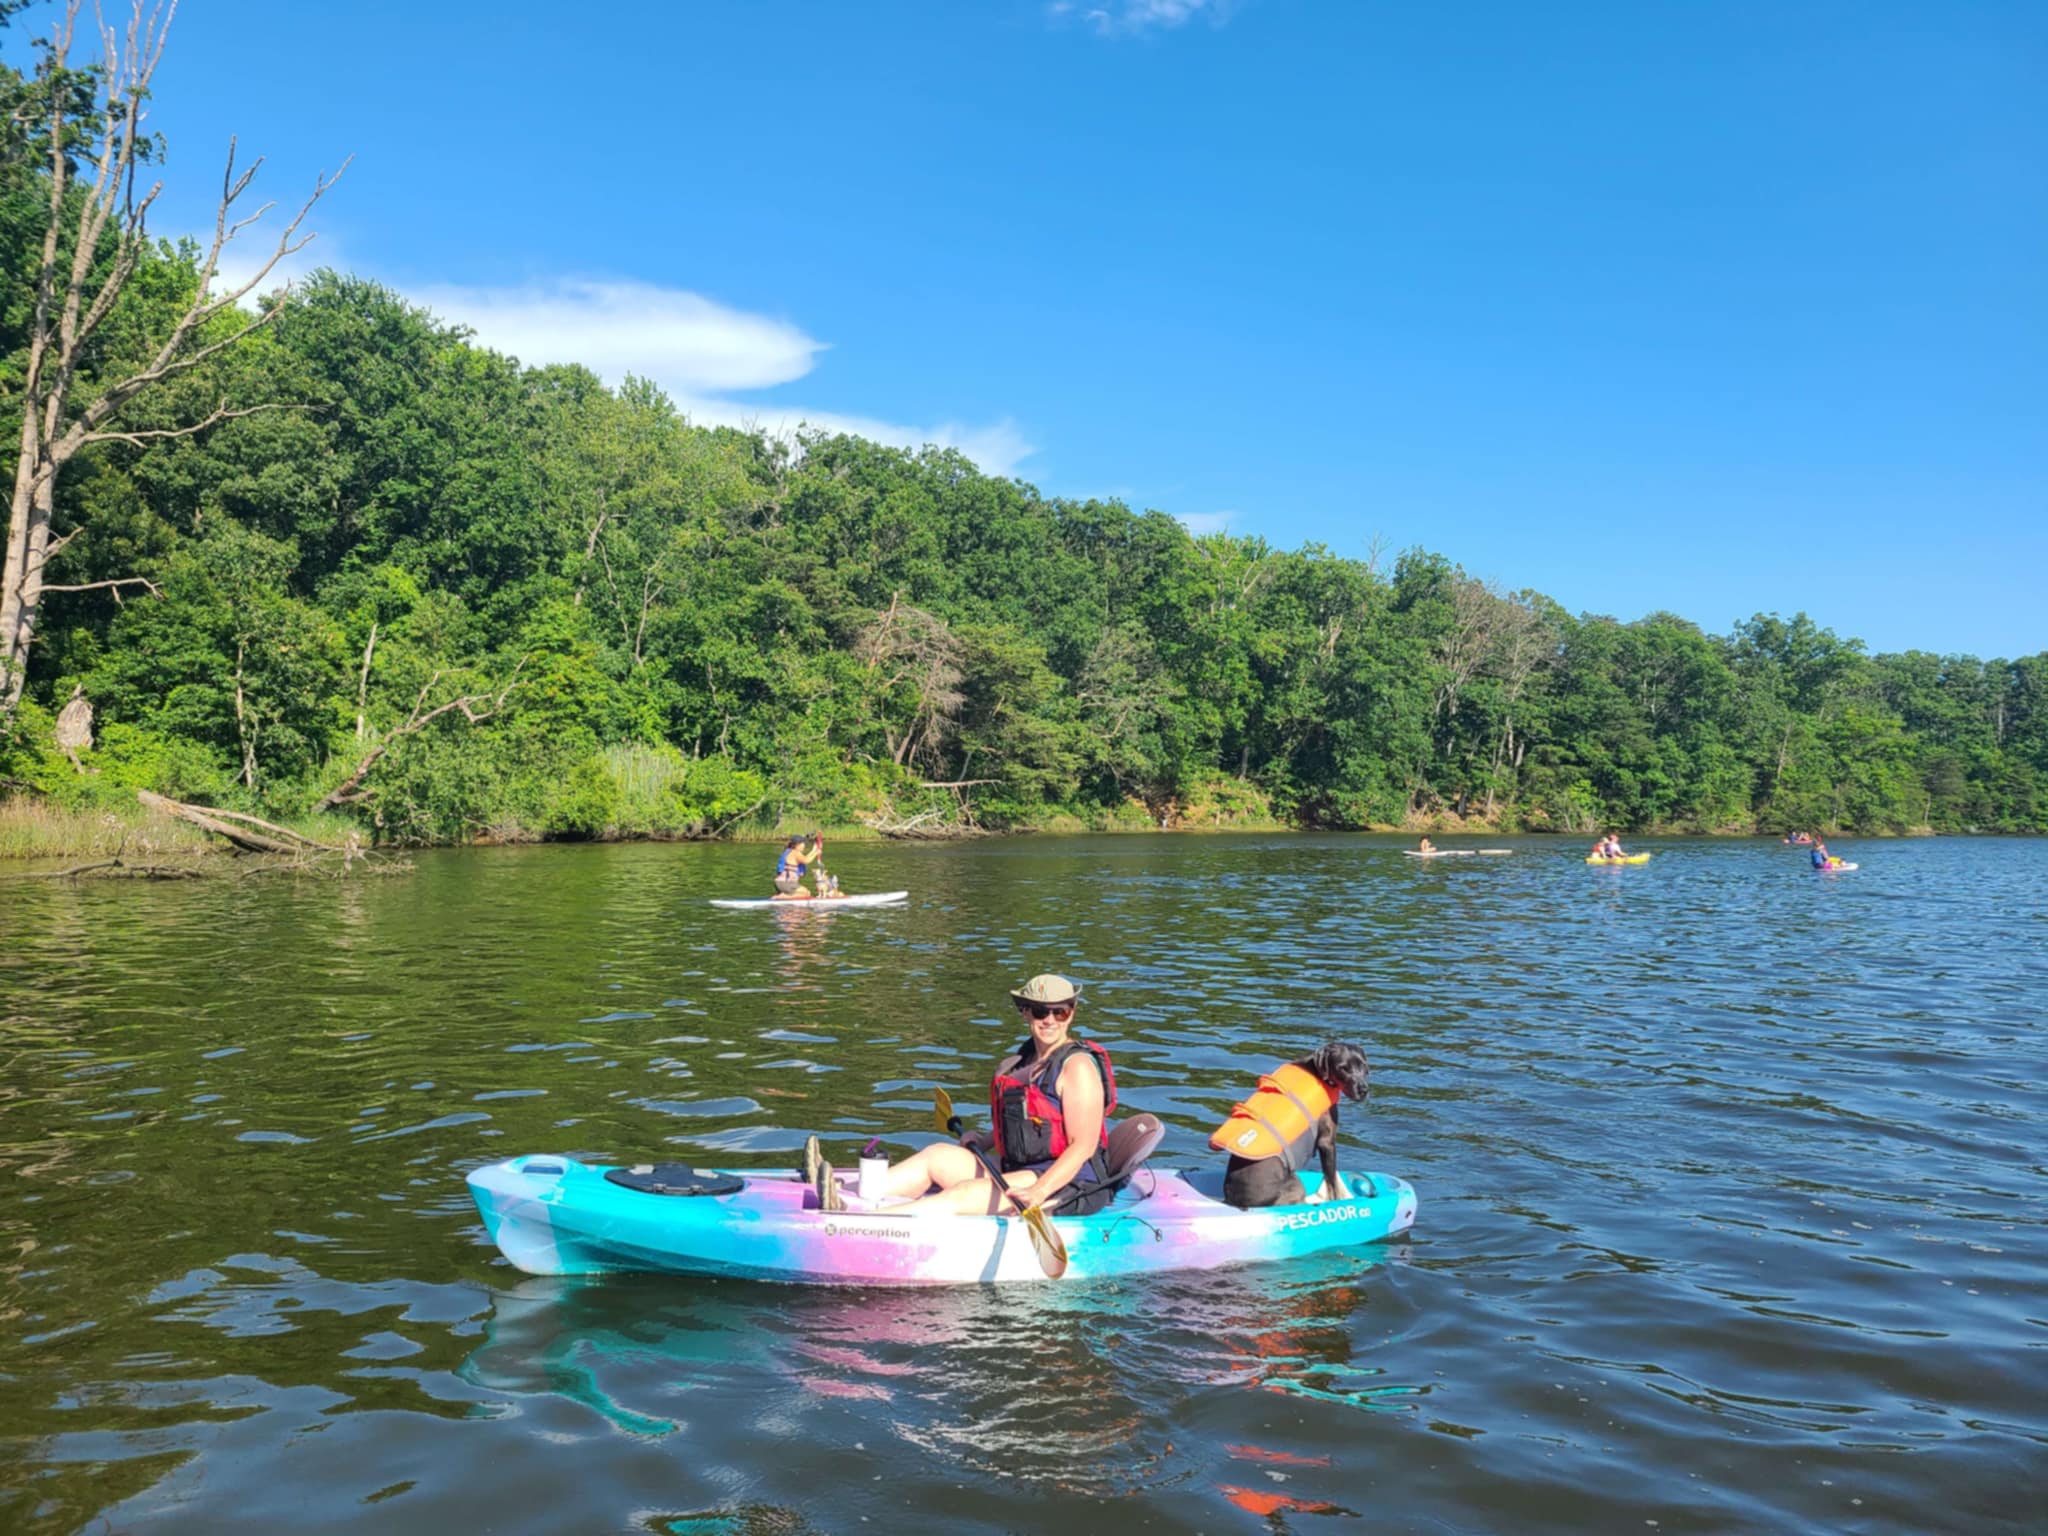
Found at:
[731, 1362]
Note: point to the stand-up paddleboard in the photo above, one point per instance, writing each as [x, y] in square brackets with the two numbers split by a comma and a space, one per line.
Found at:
[872, 899]
[1496, 850]
[557, 1216]
[1831, 869]
[1442, 853]
[1631, 858]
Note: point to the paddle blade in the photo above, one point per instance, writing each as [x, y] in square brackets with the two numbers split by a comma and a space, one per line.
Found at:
[1045, 1242]
[942, 1109]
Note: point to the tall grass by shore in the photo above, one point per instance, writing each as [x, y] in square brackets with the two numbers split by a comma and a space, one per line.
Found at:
[32, 828]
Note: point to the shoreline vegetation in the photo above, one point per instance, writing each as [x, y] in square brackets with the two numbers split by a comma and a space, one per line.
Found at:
[318, 557]
[34, 832]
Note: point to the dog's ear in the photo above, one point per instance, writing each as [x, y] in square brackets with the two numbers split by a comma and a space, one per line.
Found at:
[1343, 1064]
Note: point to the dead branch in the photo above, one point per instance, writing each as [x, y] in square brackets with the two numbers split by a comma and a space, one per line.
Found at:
[115, 585]
[924, 825]
[153, 434]
[251, 837]
[475, 708]
[128, 870]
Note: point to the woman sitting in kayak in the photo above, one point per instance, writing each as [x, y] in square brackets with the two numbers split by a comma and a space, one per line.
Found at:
[798, 855]
[1609, 847]
[1049, 1102]
[1270, 1135]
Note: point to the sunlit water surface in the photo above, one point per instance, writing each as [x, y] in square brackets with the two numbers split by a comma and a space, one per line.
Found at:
[1731, 1180]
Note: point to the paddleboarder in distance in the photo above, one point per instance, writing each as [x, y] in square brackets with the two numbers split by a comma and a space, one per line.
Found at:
[798, 855]
[1050, 1101]
[1294, 1112]
[1426, 846]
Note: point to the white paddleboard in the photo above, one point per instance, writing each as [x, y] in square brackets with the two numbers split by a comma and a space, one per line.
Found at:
[873, 899]
[1439, 853]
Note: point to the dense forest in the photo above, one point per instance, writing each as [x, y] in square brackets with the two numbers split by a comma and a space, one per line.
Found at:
[451, 597]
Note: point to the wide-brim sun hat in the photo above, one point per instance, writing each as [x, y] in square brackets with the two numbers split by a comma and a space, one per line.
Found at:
[1047, 989]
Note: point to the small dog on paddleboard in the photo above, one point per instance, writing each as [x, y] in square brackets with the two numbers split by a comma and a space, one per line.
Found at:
[1269, 1136]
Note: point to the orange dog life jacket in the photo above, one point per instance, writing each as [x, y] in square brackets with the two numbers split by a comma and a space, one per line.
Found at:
[1279, 1120]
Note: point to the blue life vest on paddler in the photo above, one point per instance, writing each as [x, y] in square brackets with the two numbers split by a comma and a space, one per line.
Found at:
[803, 856]
[1279, 1120]
[1025, 1112]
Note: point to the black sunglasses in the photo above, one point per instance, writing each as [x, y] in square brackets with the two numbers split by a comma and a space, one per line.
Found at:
[1043, 1010]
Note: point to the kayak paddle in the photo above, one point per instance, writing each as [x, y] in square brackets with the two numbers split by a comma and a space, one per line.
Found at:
[1045, 1242]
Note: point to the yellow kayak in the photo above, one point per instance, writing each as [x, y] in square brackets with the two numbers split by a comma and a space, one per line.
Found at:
[1630, 858]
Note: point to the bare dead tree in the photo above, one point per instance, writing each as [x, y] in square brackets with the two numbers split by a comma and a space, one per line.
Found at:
[1525, 645]
[1476, 617]
[908, 646]
[92, 244]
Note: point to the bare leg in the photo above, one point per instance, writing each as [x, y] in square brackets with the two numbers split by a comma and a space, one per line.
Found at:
[942, 1165]
[974, 1198]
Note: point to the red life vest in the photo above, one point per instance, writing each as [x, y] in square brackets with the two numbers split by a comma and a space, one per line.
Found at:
[1024, 1107]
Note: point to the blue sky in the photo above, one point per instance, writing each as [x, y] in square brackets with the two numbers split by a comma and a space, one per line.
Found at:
[1714, 309]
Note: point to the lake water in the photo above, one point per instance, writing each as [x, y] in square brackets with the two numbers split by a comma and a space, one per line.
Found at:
[1731, 1176]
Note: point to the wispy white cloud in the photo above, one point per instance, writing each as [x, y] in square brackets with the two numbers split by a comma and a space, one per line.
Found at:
[698, 350]
[1121, 18]
[997, 447]
[683, 340]
[1200, 523]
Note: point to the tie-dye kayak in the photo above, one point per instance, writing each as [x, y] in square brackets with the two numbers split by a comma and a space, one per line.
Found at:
[556, 1216]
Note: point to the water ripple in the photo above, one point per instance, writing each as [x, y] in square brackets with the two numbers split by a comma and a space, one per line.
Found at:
[1732, 1216]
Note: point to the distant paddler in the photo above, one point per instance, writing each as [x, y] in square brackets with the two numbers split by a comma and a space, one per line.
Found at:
[799, 856]
[1609, 847]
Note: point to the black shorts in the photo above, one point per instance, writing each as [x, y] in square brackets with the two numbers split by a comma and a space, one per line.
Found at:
[1083, 1197]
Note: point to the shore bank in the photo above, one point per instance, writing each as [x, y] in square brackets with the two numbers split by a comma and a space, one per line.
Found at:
[33, 830]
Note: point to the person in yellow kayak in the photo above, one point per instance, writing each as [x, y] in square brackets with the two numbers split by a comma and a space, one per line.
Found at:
[1609, 847]
[1294, 1113]
[1049, 1101]
[799, 854]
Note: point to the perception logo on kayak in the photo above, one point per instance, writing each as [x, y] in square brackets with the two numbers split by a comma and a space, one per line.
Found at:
[1317, 1216]
[887, 1234]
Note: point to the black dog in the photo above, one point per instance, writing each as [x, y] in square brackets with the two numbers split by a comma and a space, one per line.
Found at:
[1248, 1183]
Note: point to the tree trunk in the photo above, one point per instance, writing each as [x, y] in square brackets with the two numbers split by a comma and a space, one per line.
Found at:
[21, 579]
[248, 833]
[363, 682]
[244, 732]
